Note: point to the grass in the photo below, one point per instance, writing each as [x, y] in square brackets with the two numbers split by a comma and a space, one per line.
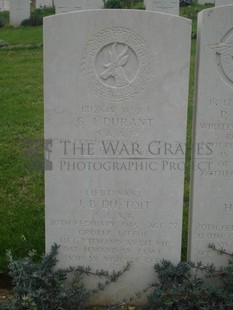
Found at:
[21, 35]
[21, 113]
[21, 136]
[188, 150]
[190, 12]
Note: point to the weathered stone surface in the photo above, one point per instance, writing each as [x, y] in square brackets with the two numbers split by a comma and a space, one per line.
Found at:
[4, 5]
[115, 116]
[223, 2]
[212, 182]
[64, 6]
[206, 1]
[165, 6]
[19, 10]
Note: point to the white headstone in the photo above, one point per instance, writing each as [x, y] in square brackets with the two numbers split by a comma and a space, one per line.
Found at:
[223, 2]
[5, 5]
[165, 6]
[93, 4]
[115, 107]
[206, 1]
[19, 10]
[212, 181]
[64, 6]
[43, 3]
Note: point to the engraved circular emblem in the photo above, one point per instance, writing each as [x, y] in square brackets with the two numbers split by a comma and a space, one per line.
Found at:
[224, 51]
[116, 64]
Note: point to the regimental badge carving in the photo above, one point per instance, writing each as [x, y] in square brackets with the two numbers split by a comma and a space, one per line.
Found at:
[116, 64]
[115, 67]
[224, 52]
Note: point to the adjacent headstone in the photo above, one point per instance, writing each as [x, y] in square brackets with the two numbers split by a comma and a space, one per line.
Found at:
[93, 4]
[212, 182]
[115, 107]
[223, 2]
[19, 10]
[64, 6]
[4, 5]
[206, 1]
[43, 3]
[165, 6]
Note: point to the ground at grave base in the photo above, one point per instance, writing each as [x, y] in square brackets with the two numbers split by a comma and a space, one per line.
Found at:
[6, 293]
[5, 289]
[117, 308]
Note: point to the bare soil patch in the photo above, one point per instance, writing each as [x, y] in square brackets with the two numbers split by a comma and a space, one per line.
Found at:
[5, 288]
